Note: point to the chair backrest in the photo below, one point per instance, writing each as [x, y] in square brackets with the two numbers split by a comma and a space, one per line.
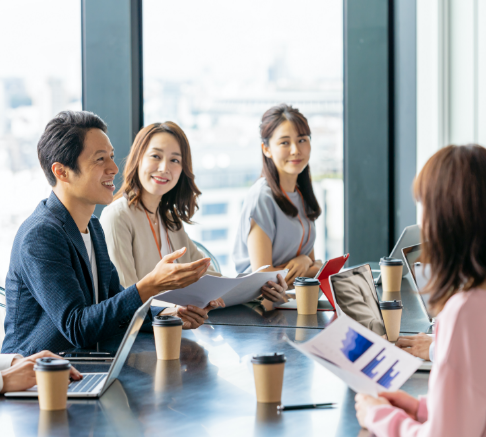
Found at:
[3, 313]
[208, 254]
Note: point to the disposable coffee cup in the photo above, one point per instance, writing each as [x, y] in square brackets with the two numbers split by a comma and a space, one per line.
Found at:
[391, 275]
[307, 295]
[392, 316]
[52, 376]
[167, 334]
[268, 371]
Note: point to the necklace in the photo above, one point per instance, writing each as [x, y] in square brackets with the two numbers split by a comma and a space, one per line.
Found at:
[155, 216]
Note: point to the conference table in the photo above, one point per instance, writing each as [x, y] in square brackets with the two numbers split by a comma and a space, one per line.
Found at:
[210, 390]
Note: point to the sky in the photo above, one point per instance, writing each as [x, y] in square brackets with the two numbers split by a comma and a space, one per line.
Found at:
[182, 38]
[41, 38]
[241, 38]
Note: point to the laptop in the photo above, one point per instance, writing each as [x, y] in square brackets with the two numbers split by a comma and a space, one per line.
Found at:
[410, 236]
[93, 385]
[355, 295]
[420, 275]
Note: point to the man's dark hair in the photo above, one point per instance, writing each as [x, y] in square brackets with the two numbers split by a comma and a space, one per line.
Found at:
[63, 140]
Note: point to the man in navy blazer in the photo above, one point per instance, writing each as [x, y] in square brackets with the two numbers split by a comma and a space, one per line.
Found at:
[59, 296]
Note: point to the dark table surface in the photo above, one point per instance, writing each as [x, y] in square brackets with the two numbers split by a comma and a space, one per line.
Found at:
[209, 391]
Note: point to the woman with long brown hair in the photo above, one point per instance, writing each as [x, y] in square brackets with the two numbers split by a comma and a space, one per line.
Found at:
[144, 222]
[277, 226]
[452, 190]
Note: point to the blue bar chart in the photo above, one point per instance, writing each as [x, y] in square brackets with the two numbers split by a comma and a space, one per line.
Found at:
[354, 345]
[387, 378]
[368, 369]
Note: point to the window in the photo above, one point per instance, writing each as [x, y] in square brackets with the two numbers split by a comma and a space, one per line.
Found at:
[214, 208]
[223, 259]
[40, 75]
[205, 73]
[214, 234]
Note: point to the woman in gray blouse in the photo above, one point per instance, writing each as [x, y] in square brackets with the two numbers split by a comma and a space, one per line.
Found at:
[277, 224]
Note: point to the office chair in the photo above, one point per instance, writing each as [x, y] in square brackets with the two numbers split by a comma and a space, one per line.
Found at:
[3, 313]
[208, 254]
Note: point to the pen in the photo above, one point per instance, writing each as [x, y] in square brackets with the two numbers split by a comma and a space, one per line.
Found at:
[304, 406]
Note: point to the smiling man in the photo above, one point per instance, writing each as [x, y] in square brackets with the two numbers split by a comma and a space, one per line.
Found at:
[62, 289]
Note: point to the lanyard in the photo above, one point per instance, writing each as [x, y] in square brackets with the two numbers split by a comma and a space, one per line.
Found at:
[298, 216]
[155, 236]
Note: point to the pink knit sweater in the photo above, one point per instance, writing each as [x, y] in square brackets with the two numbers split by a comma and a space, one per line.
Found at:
[456, 401]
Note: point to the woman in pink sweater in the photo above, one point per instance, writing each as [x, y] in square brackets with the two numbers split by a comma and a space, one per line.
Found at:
[452, 190]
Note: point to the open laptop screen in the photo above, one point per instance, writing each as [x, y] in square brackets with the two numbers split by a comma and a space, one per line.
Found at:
[420, 274]
[354, 292]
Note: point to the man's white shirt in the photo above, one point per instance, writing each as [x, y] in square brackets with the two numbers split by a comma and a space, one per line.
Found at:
[92, 259]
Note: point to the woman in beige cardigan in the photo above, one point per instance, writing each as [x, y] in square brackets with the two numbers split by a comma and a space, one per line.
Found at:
[144, 222]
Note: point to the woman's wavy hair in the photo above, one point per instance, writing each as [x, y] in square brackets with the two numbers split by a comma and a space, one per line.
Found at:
[271, 120]
[452, 190]
[180, 203]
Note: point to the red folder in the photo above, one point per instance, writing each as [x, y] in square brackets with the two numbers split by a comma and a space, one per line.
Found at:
[332, 267]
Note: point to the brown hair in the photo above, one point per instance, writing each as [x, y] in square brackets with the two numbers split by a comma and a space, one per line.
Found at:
[452, 190]
[271, 120]
[180, 203]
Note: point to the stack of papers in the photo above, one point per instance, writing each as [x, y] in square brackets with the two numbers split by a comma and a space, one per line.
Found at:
[366, 362]
[234, 291]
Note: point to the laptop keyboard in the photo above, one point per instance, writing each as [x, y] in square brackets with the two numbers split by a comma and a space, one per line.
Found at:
[89, 381]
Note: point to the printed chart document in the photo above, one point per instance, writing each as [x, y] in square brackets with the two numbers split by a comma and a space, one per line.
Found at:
[362, 359]
[233, 290]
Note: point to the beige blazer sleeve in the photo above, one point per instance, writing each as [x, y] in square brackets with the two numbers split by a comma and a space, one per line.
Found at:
[119, 237]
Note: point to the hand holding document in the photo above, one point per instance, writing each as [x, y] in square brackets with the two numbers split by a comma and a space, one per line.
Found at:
[362, 359]
[234, 291]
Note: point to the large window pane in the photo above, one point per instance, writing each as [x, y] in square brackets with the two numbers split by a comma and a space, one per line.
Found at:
[214, 67]
[40, 75]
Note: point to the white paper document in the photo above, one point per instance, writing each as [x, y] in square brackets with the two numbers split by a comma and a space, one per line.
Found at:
[233, 290]
[362, 359]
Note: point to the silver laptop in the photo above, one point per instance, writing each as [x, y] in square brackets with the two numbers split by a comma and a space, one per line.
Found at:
[420, 275]
[410, 236]
[93, 385]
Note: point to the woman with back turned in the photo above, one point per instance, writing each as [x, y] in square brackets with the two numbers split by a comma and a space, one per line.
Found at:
[277, 224]
[452, 190]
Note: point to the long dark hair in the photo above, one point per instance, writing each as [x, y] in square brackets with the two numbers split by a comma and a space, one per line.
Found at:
[271, 120]
[180, 203]
[452, 190]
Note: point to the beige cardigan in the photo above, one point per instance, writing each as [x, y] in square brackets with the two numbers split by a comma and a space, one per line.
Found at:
[131, 244]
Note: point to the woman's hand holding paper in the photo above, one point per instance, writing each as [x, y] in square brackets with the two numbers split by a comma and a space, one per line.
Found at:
[275, 292]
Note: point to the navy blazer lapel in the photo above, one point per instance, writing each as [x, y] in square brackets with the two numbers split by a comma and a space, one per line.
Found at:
[72, 231]
[103, 262]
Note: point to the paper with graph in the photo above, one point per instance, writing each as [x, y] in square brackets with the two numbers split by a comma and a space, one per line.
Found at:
[362, 359]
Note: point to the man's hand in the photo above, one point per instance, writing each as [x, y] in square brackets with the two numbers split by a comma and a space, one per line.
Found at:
[170, 276]
[21, 376]
[364, 403]
[275, 292]
[297, 267]
[416, 345]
